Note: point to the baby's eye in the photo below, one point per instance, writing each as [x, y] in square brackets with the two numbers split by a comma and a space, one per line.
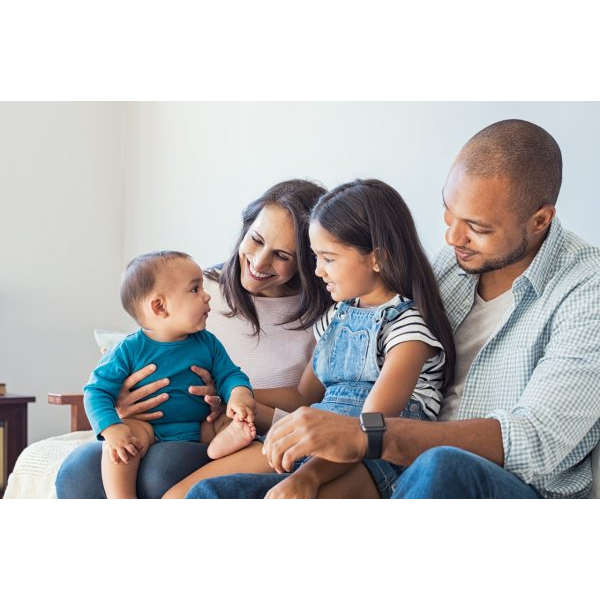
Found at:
[195, 289]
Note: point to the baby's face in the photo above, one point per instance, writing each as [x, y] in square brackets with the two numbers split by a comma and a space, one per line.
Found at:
[186, 301]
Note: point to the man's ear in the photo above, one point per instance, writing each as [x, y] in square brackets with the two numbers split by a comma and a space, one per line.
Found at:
[158, 306]
[542, 218]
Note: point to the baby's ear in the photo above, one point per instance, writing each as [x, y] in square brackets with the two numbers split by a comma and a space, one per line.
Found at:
[158, 307]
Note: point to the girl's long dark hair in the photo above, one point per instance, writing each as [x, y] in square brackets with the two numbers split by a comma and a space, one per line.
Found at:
[298, 197]
[370, 215]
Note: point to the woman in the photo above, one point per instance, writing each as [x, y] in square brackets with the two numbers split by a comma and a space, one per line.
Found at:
[265, 300]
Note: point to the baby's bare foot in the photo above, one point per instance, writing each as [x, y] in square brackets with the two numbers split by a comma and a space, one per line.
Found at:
[238, 435]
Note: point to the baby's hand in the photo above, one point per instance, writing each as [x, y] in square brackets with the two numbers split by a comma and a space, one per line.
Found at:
[241, 405]
[121, 443]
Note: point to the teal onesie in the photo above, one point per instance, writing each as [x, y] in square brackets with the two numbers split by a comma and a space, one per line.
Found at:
[182, 412]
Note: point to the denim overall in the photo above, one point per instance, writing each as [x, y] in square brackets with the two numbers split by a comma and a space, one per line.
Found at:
[345, 361]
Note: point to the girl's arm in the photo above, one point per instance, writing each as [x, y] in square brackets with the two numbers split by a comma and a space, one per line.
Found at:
[308, 391]
[390, 394]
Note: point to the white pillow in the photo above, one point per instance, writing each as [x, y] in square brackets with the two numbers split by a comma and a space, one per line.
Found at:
[107, 339]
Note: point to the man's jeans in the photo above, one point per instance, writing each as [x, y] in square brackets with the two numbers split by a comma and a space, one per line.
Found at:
[442, 472]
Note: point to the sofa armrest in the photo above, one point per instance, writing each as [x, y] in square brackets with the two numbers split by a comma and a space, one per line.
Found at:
[79, 420]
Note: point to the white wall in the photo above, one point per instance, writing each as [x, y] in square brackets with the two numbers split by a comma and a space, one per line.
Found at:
[60, 237]
[85, 187]
[191, 167]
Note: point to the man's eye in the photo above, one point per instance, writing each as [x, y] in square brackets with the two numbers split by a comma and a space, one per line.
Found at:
[478, 232]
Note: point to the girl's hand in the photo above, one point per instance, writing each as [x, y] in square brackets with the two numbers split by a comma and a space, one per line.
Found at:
[295, 486]
[209, 391]
[121, 443]
[128, 402]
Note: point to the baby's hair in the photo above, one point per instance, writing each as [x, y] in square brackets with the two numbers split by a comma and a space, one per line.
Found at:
[140, 277]
[369, 215]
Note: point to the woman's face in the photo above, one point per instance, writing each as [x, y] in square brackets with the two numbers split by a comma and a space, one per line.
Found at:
[268, 254]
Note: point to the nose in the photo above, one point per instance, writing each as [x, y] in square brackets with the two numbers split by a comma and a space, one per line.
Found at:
[457, 234]
[261, 261]
[207, 298]
[319, 270]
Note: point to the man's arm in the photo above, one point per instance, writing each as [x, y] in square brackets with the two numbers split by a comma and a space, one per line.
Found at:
[339, 438]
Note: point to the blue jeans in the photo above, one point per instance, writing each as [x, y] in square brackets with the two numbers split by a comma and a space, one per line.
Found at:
[164, 465]
[442, 472]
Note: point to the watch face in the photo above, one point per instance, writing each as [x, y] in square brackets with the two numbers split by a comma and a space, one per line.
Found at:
[372, 421]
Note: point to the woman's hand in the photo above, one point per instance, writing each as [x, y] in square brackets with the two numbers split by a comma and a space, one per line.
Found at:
[128, 402]
[295, 486]
[209, 392]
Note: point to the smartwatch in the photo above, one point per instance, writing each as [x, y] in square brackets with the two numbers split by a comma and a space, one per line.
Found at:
[373, 424]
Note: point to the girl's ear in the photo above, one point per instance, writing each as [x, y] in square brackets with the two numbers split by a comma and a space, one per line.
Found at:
[158, 307]
[376, 257]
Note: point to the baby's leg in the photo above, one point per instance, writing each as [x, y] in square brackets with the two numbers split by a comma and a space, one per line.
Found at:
[234, 437]
[119, 479]
[248, 460]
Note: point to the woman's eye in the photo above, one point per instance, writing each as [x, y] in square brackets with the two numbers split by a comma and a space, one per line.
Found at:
[283, 257]
[257, 241]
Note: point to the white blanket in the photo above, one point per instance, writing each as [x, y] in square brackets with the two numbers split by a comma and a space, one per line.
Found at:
[36, 468]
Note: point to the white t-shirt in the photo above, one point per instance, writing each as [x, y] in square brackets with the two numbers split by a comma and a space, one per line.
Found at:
[408, 326]
[472, 334]
[279, 356]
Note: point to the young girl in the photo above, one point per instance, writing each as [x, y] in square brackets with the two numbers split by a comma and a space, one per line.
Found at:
[385, 346]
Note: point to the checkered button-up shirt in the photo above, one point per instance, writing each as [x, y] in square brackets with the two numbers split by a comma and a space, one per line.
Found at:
[539, 373]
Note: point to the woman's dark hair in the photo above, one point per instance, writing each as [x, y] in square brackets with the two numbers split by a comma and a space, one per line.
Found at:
[370, 215]
[298, 197]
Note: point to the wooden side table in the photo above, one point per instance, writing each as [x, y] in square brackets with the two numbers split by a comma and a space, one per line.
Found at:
[13, 420]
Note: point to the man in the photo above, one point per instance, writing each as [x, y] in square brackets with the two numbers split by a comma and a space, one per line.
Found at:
[523, 298]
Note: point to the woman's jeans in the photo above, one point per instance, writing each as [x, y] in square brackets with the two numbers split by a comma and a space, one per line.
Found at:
[442, 472]
[164, 465]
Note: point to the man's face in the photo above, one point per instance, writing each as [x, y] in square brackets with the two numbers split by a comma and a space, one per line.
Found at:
[485, 233]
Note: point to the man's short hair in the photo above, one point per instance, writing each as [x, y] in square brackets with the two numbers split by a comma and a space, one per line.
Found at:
[140, 277]
[524, 153]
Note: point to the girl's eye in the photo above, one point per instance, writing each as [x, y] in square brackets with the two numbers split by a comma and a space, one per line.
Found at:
[195, 289]
[283, 257]
[257, 241]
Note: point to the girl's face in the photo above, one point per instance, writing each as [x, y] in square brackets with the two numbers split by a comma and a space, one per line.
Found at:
[268, 254]
[347, 272]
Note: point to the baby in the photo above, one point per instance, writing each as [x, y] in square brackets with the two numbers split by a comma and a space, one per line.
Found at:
[163, 292]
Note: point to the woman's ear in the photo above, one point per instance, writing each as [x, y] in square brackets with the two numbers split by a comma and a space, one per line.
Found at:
[158, 306]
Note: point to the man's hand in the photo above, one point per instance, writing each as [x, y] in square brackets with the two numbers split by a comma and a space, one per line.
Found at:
[128, 403]
[314, 432]
[295, 486]
[209, 391]
[121, 443]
